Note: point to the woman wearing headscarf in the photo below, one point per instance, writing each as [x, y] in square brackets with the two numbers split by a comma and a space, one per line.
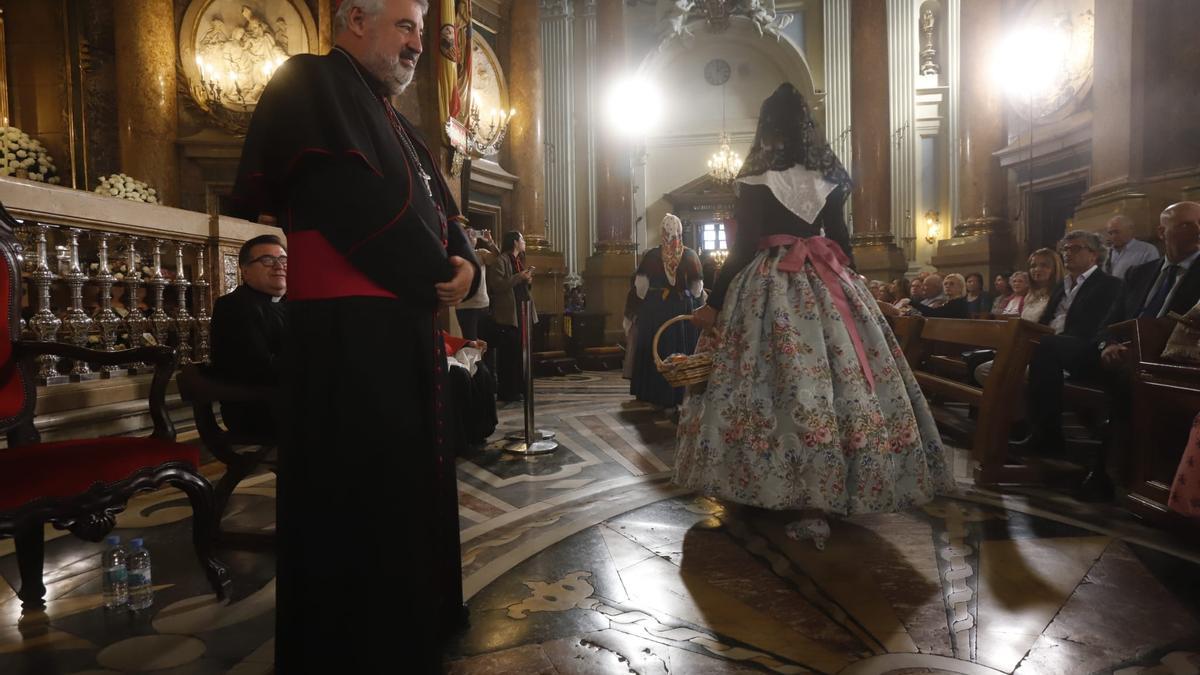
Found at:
[668, 284]
[810, 405]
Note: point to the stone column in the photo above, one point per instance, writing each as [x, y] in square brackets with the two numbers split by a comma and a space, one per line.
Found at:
[981, 121]
[527, 155]
[147, 115]
[526, 132]
[875, 251]
[983, 240]
[606, 278]
[1145, 143]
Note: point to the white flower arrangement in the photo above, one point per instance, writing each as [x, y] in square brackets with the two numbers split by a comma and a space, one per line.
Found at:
[25, 157]
[125, 187]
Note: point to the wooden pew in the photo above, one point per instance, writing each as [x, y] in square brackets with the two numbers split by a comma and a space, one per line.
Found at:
[1166, 398]
[1013, 340]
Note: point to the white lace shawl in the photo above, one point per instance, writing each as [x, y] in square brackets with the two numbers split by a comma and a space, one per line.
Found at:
[803, 191]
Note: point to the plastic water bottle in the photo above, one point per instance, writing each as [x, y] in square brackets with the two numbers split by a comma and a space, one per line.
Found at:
[115, 579]
[141, 593]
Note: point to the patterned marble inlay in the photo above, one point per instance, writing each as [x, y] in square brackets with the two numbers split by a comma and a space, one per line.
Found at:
[589, 561]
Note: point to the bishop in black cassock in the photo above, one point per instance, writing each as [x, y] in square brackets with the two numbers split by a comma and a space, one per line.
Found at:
[369, 573]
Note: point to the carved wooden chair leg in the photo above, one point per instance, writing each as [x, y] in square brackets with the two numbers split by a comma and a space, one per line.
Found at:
[204, 529]
[30, 552]
[235, 473]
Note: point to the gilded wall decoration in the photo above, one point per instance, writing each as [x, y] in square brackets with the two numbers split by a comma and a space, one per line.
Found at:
[229, 49]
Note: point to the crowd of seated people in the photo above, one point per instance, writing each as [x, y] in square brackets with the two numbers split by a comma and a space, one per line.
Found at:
[1079, 291]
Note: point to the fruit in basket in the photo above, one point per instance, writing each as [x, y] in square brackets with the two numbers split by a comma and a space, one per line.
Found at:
[677, 358]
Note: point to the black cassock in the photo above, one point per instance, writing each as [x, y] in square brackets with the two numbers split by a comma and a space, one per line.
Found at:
[369, 573]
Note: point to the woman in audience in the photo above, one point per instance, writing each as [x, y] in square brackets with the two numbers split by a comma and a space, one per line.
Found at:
[508, 285]
[901, 290]
[978, 302]
[1019, 283]
[1045, 271]
[1001, 290]
[955, 287]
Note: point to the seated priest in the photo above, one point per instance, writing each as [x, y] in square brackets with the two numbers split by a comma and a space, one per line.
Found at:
[472, 394]
[1076, 312]
[248, 328]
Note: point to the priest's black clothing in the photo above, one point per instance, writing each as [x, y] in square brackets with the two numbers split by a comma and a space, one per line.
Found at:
[248, 330]
[369, 573]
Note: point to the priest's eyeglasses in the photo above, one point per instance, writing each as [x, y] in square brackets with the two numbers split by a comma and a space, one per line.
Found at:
[272, 261]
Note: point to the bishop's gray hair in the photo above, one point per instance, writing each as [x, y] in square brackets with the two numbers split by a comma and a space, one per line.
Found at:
[341, 18]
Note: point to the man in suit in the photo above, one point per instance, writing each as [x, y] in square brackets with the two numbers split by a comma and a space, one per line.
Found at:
[1152, 289]
[1160, 286]
[248, 327]
[1076, 311]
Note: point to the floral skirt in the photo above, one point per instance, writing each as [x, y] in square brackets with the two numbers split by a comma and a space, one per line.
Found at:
[788, 419]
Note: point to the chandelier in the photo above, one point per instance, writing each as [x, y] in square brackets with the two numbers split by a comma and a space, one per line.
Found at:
[724, 164]
[485, 130]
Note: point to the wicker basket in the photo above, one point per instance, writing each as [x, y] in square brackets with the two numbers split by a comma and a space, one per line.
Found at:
[692, 369]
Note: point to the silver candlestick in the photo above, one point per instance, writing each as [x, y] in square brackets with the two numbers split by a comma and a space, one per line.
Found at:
[76, 322]
[135, 321]
[183, 320]
[106, 318]
[43, 323]
[159, 321]
[203, 320]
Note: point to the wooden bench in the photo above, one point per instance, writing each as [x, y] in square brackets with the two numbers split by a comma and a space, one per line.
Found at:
[1166, 398]
[935, 370]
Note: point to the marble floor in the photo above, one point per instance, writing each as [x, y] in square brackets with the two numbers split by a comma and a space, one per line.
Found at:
[588, 560]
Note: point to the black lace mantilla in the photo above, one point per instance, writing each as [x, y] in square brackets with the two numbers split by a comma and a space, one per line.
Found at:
[787, 136]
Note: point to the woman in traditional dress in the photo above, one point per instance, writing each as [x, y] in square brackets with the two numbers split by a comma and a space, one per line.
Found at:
[668, 284]
[1185, 490]
[810, 405]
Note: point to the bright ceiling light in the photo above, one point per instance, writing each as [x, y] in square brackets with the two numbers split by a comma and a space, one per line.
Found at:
[634, 107]
[1031, 61]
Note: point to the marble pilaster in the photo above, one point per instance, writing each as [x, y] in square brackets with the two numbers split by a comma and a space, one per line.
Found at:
[875, 251]
[526, 132]
[606, 279]
[1144, 145]
[557, 55]
[147, 109]
[984, 240]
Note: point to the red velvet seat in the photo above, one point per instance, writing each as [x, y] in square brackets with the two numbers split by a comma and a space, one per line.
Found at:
[67, 468]
[80, 485]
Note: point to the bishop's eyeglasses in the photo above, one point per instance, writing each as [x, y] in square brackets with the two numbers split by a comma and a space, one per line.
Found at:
[272, 261]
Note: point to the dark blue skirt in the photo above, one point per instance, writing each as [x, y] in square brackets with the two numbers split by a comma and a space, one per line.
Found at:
[647, 384]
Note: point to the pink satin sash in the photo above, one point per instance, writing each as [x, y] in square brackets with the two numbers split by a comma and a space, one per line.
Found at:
[830, 262]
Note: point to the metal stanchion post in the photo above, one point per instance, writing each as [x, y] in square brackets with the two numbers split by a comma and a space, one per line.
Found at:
[534, 441]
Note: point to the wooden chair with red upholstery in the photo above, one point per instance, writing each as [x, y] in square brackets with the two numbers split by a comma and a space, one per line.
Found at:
[81, 484]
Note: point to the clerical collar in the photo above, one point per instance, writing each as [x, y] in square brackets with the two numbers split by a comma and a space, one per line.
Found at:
[373, 83]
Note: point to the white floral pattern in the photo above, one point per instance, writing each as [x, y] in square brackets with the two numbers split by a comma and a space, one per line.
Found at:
[788, 421]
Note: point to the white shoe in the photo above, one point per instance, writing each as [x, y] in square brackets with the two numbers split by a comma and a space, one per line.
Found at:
[815, 529]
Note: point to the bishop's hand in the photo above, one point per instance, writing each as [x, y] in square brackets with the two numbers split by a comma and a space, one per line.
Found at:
[452, 292]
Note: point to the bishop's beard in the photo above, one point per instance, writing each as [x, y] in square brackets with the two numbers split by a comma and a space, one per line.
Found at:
[391, 72]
